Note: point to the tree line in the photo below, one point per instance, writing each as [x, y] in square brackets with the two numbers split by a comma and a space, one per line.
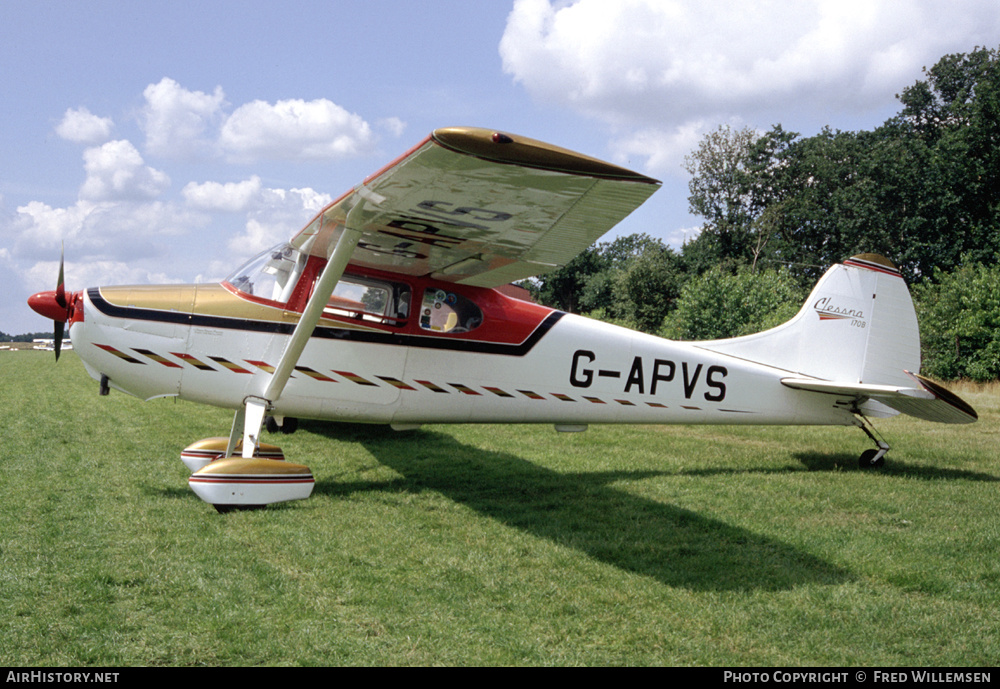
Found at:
[27, 337]
[778, 209]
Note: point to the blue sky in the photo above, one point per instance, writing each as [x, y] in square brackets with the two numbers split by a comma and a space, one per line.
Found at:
[170, 141]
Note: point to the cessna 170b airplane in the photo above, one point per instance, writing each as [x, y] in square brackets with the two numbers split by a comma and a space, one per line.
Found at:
[385, 309]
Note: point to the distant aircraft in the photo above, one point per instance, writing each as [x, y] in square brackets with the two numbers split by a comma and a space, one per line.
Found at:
[385, 309]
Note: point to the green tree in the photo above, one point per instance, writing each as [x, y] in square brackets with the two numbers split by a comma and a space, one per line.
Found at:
[632, 280]
[956, 112]
[919, 189]
[561, 289]
[959, 317]
[720, 192]
[719, 304]
[645, 288]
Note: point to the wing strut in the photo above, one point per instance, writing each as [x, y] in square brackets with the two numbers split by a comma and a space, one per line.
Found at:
[251, 415]
[328, 279]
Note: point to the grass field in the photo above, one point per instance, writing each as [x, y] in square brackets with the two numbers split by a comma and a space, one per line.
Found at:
[494, 545]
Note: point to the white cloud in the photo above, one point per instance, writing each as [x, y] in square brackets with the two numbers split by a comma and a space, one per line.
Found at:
[656, 65]
[98, 230]
[42, 275]
[281, 214]
[116, 171]
[184, 124]
[231, 197]
[177, 121]
[664, 149]
[273, 215]
[294, 130]
[681, 235]
[393, 125]
[83, 127]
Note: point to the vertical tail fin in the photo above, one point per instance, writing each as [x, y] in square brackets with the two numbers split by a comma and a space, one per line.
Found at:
[857, 326]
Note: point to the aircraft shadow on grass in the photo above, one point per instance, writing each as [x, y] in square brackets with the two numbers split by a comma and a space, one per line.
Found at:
[675, 546]
[583, 511]
[818, 461]
[845, 462]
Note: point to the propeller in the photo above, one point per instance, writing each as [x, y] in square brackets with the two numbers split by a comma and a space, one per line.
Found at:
[54, 305]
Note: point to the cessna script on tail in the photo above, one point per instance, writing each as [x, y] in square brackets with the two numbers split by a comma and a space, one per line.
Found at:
[388, 308]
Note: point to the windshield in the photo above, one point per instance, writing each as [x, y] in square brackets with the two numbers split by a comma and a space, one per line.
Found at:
[271, 274]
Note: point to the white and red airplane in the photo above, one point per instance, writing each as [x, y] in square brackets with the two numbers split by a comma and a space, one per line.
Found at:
[386, 309]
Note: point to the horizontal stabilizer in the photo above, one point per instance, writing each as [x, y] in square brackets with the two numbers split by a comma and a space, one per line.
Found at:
[928, 401]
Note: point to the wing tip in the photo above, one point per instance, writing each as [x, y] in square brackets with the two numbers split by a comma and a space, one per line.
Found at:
[502, 147]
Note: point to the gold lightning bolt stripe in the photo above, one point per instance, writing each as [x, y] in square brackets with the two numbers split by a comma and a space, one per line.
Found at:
[316, 375]
[121, 355]
[157, 358]
[431, 386]
[355, 378]
[464, 389]
[396, 383]
[235, 368]
[201, 365]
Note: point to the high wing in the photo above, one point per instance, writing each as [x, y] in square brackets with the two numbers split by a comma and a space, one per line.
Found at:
[479, 207]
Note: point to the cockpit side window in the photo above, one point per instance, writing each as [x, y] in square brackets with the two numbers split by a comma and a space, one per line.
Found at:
[368, 299]
[447, 312]
[273, 275]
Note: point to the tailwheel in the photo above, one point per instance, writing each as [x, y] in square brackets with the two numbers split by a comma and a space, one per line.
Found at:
[873, 458]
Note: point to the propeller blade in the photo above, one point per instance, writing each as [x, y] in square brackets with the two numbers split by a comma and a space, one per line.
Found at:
[58, 337]
[61, 300]
[60, 284]
[54, 305]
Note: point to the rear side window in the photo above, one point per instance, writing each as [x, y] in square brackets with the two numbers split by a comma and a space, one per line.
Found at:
[447, 312]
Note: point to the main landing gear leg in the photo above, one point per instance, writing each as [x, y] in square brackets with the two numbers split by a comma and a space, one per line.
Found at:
[871, 459]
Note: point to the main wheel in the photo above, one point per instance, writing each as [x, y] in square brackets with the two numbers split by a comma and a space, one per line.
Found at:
[226, 509]
[868, 461]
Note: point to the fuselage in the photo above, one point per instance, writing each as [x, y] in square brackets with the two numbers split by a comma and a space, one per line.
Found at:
[422, 351]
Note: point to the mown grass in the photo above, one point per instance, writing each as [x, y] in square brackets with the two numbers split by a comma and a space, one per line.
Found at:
[494, 545]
